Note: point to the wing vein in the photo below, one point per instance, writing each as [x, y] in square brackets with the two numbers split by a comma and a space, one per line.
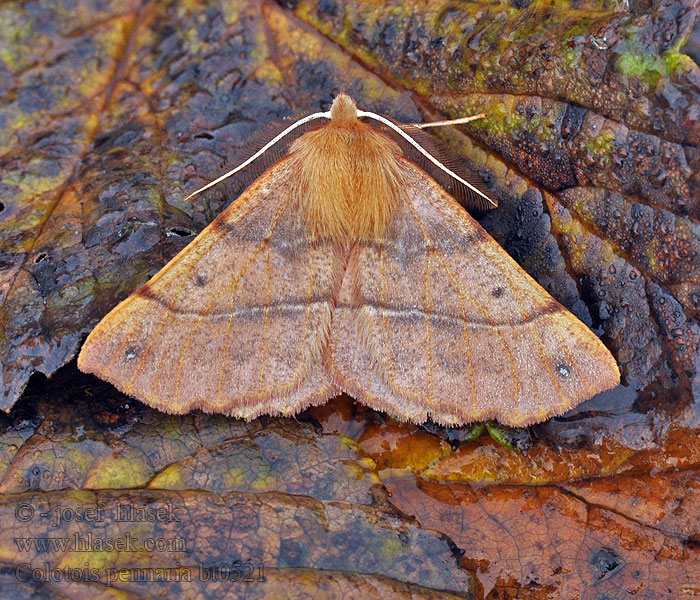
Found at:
[156, 334]
[426, 279]
[428, 336]
[391, 375]
[307, 321]
[480, 307]
[461, 294]
[266, 321]
[238, 213]
[538, 341]
[463, 304]
[234, 292]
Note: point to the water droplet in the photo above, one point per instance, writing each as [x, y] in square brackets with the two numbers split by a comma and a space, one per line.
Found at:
[664, 227]
[658, 179]
[598, 42]
[37, 454]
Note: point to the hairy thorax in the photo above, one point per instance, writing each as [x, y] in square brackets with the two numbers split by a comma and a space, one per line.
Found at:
[349, 177]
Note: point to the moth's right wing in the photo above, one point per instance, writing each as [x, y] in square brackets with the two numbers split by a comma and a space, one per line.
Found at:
[236, 323]
[436, 320]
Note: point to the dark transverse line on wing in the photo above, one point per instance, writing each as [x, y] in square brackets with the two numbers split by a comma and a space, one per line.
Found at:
[298, 306]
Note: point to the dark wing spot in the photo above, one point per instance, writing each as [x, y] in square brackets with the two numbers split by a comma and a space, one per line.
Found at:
[497, 292]
[131, 353]
[563, 370]
[200, 280]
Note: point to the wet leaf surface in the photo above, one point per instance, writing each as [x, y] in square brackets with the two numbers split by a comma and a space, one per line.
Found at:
[202, 504]
[111, 113]
[338, 502]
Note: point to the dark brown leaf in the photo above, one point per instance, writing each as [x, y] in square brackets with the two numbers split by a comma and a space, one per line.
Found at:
[111, 113]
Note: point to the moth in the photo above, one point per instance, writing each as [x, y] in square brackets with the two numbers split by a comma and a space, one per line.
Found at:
[346, 268]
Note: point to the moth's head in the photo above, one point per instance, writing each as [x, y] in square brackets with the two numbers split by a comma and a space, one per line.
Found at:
[343, 108]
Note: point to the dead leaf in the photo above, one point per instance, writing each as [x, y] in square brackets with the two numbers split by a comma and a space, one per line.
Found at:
[307, 511]
[542, 541]
[112, 113]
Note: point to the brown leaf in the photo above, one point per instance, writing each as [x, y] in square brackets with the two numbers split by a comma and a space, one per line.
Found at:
[112, 113]
[272, 498]
[540, 541]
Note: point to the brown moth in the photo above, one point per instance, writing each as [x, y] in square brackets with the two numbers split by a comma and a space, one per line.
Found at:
[346, 268]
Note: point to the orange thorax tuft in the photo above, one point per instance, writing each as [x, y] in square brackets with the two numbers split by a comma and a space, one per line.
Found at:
[348, 176]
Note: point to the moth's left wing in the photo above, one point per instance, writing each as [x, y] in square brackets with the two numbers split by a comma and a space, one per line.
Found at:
[435, 319]
[237, 323]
